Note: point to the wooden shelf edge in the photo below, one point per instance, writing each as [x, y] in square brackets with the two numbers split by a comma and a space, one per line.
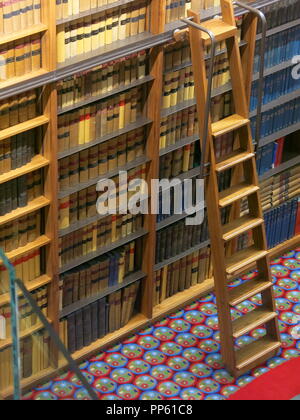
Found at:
[32, 206]
[182, 299]
[21, 79]
[23, 334]
[36, 163]
[31, 286]
[33, 30]
[25, 126]
[284, 247]
[31, 246]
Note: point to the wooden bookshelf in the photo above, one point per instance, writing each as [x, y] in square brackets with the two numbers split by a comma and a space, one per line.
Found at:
[25, 126]
[37, 162]
[33, 30]
[154, 40]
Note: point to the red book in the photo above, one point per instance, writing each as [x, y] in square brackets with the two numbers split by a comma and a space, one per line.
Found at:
[279, 151]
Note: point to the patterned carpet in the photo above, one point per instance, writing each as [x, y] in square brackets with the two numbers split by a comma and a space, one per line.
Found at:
[179, 357]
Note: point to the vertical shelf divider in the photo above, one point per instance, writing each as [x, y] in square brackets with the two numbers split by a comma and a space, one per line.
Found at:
[157, 23]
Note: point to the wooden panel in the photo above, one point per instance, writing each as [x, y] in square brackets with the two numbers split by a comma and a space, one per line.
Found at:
[252, 320]
[36, 29]
[247, 290]
[226, 125]
[25, 126]
[235, 193]
[36, 163]
[243, 258]
[254, 351]
[239, 226]
[32, 206]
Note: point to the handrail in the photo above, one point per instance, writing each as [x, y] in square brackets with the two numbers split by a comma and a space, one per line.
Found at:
[209, 90]
[14, 281]
[263, 20]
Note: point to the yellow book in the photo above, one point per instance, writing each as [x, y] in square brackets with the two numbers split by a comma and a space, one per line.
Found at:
[108, 31]
[61, 53]
[80, 37]
[115, 25]
[123, 22]
[87, 41]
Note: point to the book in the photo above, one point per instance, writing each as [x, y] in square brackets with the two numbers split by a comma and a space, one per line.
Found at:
[94, 321]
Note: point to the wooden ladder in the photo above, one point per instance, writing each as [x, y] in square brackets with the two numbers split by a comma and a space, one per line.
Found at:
[229, 265]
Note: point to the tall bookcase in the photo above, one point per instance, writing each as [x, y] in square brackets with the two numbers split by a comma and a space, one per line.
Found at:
[153, 39]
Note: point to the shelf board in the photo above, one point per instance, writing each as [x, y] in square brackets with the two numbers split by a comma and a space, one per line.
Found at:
[137, 322]
[182, 299]
[31, 286]
[32, 206]
[22, 334]
[31, 246]
[178, 257]
[278, 134]
[179, 144]
[281, 28]
[90, 12]
[92, 99]
[132, 278]
[81, 186]
[283, 99]
[25, 126]
[274, 69]
[33, 30]
[36, 163]
[283, 167]
[101, 251]
[79, 225]
[286, 246]
[141, 122]
[18, 85]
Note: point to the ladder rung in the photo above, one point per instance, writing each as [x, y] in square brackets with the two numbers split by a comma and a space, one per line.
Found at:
[220, 29]
[239, 226]
[252, 320]
[255, 351]
[243, 258]
[235, 193]
[234, 159]
[233, 122]
[247, 290]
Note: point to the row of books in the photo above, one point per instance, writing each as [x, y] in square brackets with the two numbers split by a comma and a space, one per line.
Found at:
[178, 126]
[278, 118]
[84, 35]
[178, 238]
[102, 80]
[20, 57]
[182, 274]
[22, 231]
[280, 47]
[275, 86]
[101, 159]
[95, 321]
[16, 15]
[179, 85]
[27, 317]
[89, 123]
[18, 150]
[99, 274]
[281, 222]
[270, 156]
[180, 161]
[82, 205]
[279, 188]
[18, 109]
[19, 192]
[97, 235]
[27, 266]
[35, 357]
[69, 8]
[282, 12]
